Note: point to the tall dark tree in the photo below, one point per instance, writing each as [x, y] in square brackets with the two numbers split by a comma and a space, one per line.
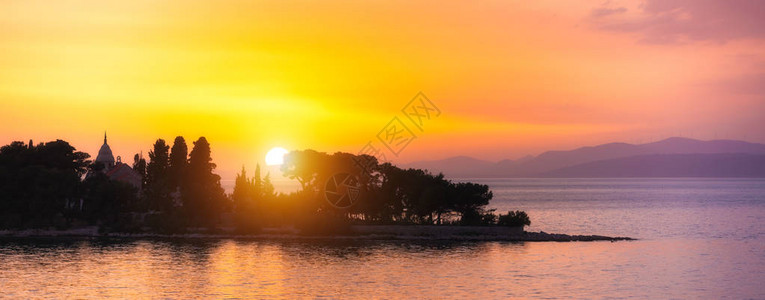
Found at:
[178, 161]
[203, 196]
[157, 180]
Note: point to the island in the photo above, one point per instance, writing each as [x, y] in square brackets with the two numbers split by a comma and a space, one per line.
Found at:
[52, 190]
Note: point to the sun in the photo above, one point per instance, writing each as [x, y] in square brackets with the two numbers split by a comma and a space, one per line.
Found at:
[275, 156]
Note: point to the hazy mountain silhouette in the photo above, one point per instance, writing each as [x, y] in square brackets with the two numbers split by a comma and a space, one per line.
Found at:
[670, 165]
[545, 163]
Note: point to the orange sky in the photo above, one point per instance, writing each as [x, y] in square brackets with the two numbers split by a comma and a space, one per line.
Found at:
[511, 78]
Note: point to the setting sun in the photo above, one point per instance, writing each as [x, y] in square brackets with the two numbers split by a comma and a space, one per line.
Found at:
[275, 156]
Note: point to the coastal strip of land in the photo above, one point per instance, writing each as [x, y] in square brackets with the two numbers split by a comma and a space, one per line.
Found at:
[360, 232]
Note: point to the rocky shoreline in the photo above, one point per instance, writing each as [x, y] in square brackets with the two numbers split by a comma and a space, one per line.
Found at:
[358, 232]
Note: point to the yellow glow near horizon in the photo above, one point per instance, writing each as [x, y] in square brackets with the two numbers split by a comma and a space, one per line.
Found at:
[275, 156]
[511, 78]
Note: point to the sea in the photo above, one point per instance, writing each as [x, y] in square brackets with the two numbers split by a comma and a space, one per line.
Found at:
[696, 239]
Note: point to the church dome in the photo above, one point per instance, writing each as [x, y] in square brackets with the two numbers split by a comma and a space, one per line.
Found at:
[105, 155]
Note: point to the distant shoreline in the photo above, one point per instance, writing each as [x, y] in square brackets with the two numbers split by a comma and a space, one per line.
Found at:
[358, 232]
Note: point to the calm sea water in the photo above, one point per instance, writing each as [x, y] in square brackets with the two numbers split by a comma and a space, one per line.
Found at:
[699, 238]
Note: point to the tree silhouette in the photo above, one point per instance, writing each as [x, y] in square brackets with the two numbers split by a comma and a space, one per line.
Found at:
[241, 195]
[267, 188]
[391, 194]
[203, 196]
[256, 184]
[514, 219]
[106, 201]
[306, 167]
[40, 184]
[245, 199]
[250, 197]
[178, 162]
[469, 198]
[139, 166]
[157, 178]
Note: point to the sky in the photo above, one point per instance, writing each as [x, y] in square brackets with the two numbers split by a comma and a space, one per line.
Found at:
[508, 78]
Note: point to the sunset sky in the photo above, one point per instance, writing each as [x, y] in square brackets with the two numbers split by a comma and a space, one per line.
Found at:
[511, 78]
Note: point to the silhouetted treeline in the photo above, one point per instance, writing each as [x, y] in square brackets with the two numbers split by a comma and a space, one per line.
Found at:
[179, 187]
[53, 185]
[254, 201]
[39, 183]
[45, 185]
[391, 194]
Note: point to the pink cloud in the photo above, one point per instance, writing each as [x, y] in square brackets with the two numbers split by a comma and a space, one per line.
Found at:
[679, 21]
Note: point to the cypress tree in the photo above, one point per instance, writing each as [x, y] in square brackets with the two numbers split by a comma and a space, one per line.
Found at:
[157, 181]
[241, 194]
[178, 161]
[203, 196]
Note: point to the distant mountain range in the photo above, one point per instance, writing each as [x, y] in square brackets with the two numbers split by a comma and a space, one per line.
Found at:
[673, 157]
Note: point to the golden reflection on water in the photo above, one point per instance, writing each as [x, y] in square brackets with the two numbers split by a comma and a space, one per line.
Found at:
[240, 269]
[375, 269]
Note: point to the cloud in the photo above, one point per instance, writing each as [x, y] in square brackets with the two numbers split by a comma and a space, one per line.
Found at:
[682, 21]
